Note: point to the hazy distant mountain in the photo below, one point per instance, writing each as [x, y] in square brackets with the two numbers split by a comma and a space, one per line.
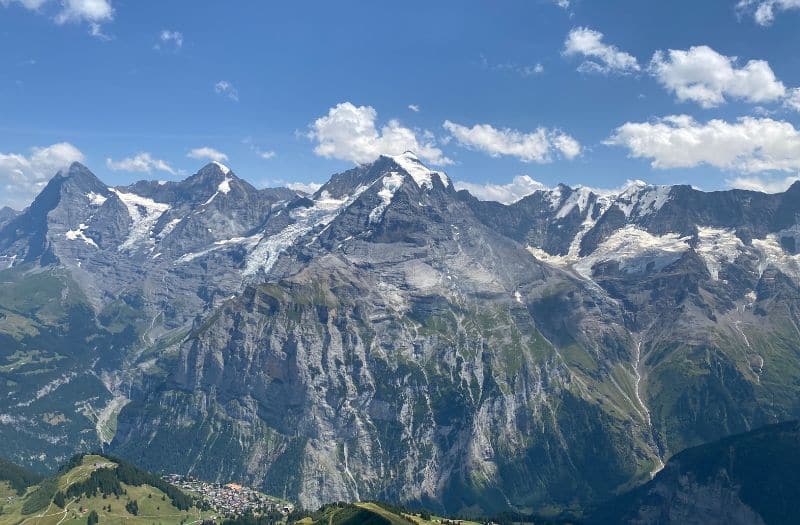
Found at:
[389, 337]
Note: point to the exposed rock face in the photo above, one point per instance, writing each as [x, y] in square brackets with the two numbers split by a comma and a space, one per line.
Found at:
[389, 337]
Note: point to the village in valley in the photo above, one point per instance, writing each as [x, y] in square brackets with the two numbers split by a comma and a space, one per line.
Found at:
[230, 499]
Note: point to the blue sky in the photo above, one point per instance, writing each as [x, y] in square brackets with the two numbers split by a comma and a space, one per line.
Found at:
[556, 90]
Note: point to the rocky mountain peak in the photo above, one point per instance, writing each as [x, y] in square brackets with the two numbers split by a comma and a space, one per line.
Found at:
[215, 169]
[349, 182]
[410, 163]
[213, 181]
[212, 174]
[77, 176]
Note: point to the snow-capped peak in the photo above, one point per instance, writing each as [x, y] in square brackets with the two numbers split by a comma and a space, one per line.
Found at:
[642, 198]
[421, 174]
[225, 169]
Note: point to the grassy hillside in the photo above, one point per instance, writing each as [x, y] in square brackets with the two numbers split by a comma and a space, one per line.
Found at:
[91, 485]
[370, 513]
[14, 480]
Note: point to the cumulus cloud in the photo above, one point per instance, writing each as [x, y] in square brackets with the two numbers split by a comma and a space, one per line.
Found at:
[169, 40]
[22, 177]
[538, 146]
[141, 162]
[206, 153]
[600, 57]
[92, 12]
[748, 145]
[521, 186]
[706, 77]
[764, 184]
[793, 99]
[764, 10]
[349, 132]
[305, 187]
[414, 108]
[226, 89]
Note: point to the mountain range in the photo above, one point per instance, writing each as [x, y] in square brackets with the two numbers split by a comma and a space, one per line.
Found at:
[389, 337]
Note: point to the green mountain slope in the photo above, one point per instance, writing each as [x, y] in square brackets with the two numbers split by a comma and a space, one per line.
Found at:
[364, 513]
[54, 348]
[15, 478]
[93, 485]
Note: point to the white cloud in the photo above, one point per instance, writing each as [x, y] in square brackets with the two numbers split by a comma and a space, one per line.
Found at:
[226, 89]
[266, 155]
[764, 184]
[206, 153]
[601, 57]
[522, 70]
[92, 12]
[95, 11]
[563, 4]
[96, 30]
[749, 145]
[22, 177]
[706, 77]
[349, 132]
[414, 108]
[520, 187]
[793, 99]
[538, 146]
[764, 10]
[141, 162]
[169, 40]
[27, 4]
[305, 187]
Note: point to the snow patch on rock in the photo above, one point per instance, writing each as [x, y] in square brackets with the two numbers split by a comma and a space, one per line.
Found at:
[144, 214]
[167, 229]
[224, 187]
[252, 241]
[579, 198]
[95, 199]
[74, 235]
[323, 212]
[772, 255]
[717, 247]
[635, 249]
[391, 183]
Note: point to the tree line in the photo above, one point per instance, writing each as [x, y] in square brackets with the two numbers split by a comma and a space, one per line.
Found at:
[108, 481]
